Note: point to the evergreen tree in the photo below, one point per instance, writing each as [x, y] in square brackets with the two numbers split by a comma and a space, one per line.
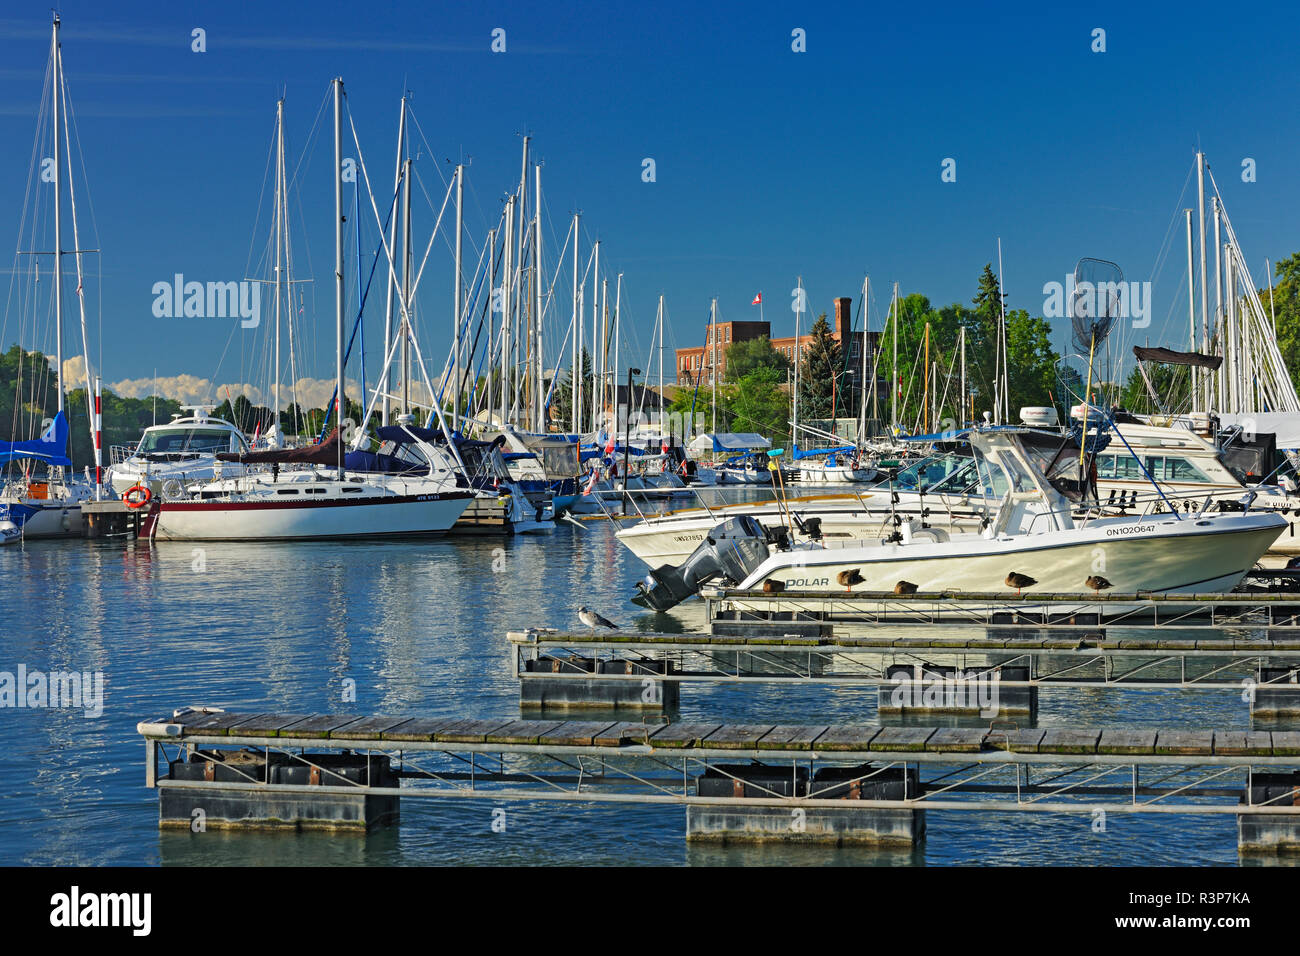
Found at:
[820, 373]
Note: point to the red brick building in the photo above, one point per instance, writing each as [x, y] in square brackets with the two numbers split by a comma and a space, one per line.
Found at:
[696, 364]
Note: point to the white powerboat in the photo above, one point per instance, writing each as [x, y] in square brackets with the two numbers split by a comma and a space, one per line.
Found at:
[169, 457]
[1034, 540]
[946, 494]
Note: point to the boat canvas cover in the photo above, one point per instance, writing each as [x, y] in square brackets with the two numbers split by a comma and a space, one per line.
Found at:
[1170, 357]
[729, 441]
[1284, 426]
[326, 453]
[51, 447]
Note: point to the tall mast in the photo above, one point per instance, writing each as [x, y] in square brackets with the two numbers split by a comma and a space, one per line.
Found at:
[338, 260]
[404, 329]
[507, 326]
[575, 363]
[893, 378]
[520, 300]
[618, 331]
[1205, 298]
[713, 368]
[539, 399]
[866, 326]
[794, 428]
[925, 401]
[487, 363]
[1191, 305]
[661, 365]
[279, 247]
[596, 348]
[385, 385]
[604, 341]
[961, 408]
[58, 212]
[456, 296]
[1218, 305]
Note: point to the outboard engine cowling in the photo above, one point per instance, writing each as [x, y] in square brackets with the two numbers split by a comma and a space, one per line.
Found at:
[732, 550]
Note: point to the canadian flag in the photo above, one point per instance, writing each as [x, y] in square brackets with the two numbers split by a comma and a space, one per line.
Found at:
[591, 482]
[758, 299]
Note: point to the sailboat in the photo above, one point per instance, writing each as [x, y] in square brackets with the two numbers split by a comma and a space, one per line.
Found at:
[322, 499]
[47, 503]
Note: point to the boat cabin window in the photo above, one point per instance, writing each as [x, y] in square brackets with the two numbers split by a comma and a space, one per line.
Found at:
[1166, 468]
[1121, 467]
[176, 441]
[286, 491]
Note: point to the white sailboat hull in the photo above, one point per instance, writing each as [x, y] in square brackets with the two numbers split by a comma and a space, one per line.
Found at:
[363, 517]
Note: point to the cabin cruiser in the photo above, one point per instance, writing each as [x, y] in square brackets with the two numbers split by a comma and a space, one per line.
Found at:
[1034, 539]
[183, 451]
[943, 492]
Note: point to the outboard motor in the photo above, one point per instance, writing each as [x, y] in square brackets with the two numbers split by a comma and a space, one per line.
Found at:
[732, 550]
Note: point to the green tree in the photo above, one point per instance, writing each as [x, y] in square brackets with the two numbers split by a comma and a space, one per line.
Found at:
[821, 372]
[1286, 308]
[744, 357]
[759, 404]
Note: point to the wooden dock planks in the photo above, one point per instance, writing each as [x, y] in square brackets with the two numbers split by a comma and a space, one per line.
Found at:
[383, 732]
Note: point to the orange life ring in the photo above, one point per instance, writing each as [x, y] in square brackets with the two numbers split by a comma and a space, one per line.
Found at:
[137, 496]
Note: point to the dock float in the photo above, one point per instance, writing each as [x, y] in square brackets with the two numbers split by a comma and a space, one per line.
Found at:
[572, 668]
[756, 609]
[741, 782]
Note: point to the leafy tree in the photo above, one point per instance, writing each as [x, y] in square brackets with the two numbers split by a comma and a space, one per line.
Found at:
[821, 372]
[1286, 306]
[744, 357]
[759, 404]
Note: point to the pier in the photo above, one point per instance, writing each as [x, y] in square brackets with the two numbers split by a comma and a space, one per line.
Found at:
[741, 782]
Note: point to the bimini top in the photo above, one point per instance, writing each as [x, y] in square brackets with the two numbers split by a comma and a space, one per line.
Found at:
[729, 441]
[51, 447]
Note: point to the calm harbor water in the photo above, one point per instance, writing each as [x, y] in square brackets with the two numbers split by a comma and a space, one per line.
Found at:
[421, 627]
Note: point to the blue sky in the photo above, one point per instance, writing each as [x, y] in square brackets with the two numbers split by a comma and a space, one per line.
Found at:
[770, 164]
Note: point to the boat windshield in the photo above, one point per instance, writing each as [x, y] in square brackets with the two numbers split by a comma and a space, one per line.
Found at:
[180, 441]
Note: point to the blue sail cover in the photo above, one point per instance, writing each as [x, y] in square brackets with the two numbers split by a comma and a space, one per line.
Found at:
[51, 447]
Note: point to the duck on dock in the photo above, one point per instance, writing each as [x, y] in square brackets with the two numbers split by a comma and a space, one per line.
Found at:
[1020, 581]
[905, 587]
[849, 578]
[1097, 583]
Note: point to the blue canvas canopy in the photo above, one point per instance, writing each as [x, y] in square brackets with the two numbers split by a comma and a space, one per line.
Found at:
[51, 447]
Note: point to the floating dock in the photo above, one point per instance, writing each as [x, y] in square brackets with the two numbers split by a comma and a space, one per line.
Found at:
[586, 666]
[743, 782]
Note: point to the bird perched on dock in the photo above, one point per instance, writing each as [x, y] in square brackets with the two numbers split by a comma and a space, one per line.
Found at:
[849, 578]
[904, 587]
[1097, 583]
[773, 586]
[1019, 581]
[593, 620]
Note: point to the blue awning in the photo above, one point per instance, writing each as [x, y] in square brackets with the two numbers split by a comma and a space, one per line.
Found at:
[51, 447]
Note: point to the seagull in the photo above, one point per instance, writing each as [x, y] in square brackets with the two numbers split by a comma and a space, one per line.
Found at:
[1097, 583]
[904, 587]
[1019, 581]
[773, 586]
[849, 578]
[594, 620]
